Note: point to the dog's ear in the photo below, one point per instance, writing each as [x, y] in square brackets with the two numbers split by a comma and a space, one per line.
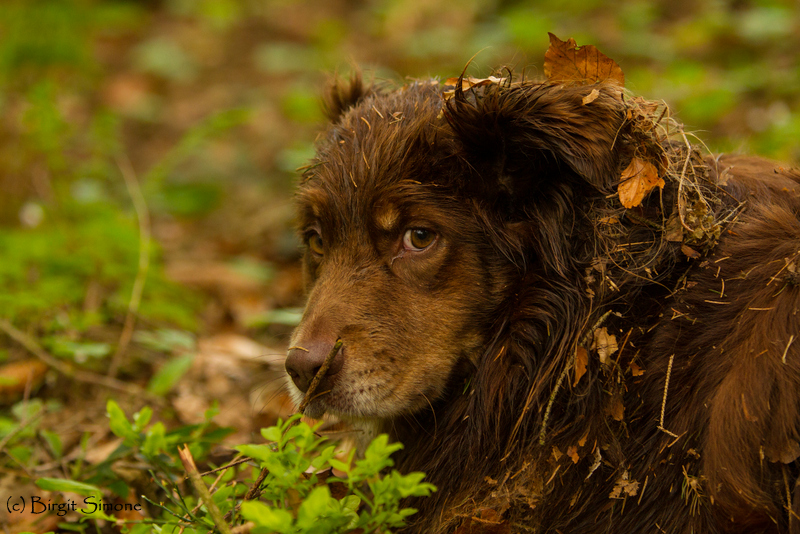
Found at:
[526, 134]
[342, 95]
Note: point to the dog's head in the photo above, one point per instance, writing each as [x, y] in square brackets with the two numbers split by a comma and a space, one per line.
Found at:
[420, 215]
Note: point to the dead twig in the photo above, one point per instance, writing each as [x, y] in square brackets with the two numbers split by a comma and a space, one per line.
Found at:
[234, 463]
[786, 350]
[202, 490]
[664, 400]
[564, 373]
[254, 490]
[319, 376]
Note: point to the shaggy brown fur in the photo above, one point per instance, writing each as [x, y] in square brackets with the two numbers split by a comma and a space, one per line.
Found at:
[467, 246]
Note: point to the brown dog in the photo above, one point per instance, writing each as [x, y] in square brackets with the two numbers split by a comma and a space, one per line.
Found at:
[554, 360]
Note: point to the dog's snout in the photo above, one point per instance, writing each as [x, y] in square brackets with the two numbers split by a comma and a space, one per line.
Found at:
[304, 361]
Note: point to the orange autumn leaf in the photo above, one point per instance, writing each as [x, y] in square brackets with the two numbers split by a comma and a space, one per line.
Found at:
[581, 360]
[638, 179]
[572, 452]
[565, 62]
[582, 441]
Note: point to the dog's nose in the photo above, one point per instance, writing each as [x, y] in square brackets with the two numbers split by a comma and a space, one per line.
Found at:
[305, 360]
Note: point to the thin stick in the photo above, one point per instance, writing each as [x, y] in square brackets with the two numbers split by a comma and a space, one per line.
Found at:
[254, 490]
[786, 350]
[550, 403]
[234, 463]
[143, 215]
[319, 376]
[664, 400]
[202, 490]
[552, 399]
[83, 376]
[785, 265]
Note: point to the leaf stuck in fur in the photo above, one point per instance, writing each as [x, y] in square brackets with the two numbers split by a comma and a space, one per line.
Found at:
[581, 361]
[572, 452]
[624, 487]
[605, 344]
[638, 179]
[690, 252]
[591, 97]
[674, 229]
[467, 83]
[470, 82]
[565, 62]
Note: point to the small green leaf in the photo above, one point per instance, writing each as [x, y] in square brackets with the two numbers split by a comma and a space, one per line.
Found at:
[154, 441]
[351, 502]
[80, 352]
[272, 433]
[256, 452]
[324, 457]
[165, 340]
[28, 410]
[119, 424]
[61, 485]
[166, 377]
[274, 519]
[54, 442]
[316, 505]
[142, 417]
[339, 465]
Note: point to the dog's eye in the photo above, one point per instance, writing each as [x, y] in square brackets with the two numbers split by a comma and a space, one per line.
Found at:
[314, 241]
[418, 238]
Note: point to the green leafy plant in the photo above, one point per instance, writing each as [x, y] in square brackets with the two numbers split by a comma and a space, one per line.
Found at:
[371, 501]
[295, 492]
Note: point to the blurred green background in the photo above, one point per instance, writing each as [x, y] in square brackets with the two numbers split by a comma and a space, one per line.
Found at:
[215, 102]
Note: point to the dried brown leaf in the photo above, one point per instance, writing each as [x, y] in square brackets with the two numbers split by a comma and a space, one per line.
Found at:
[581, 360]
[572, 452]
[638, 179]
[609, 220]
[591, 97]
[605, 344]
[636, 370]
[565, 62]
[674, 229]
[582, 441]
[690, 252]
[467, 83]
[598, 459]
[624, 487]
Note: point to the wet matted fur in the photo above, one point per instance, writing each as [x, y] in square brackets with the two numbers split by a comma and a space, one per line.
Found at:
[468, 246]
